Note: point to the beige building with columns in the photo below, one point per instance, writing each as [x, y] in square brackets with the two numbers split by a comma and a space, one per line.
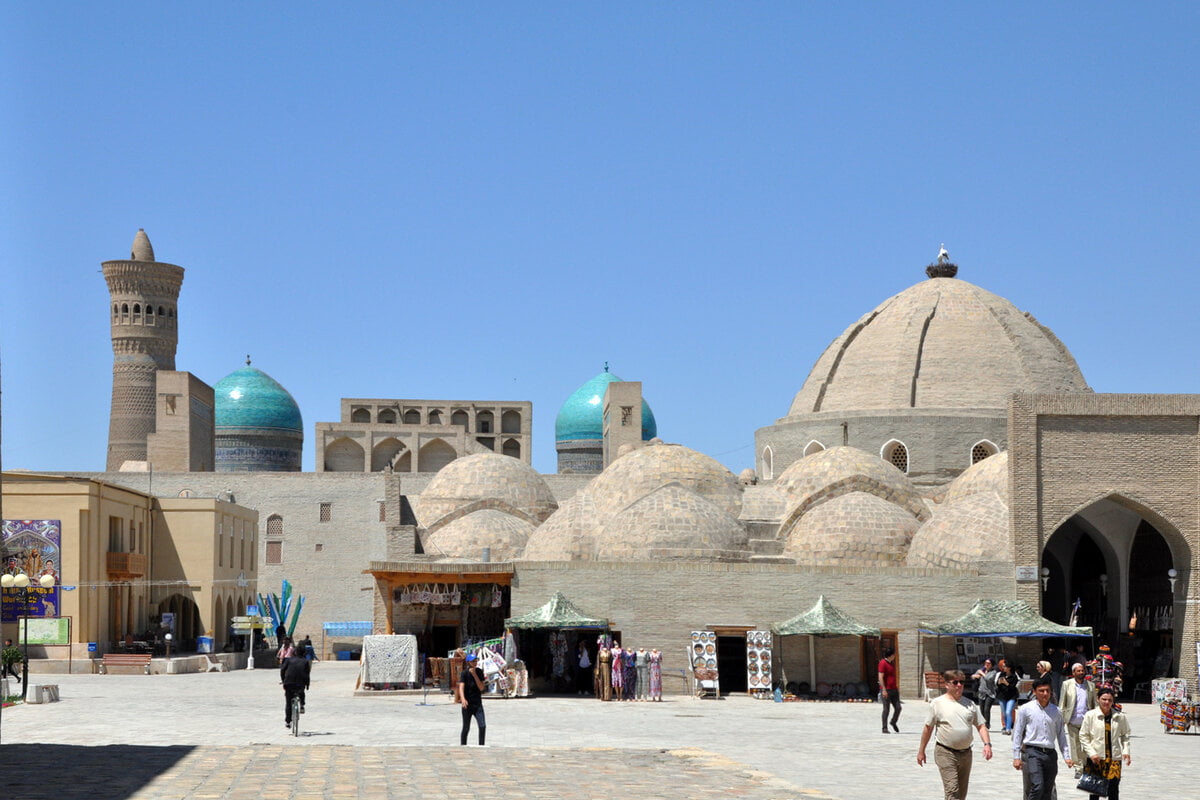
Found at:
[126, 557]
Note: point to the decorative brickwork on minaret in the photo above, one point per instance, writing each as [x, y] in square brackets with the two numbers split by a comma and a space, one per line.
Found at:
[143, 312]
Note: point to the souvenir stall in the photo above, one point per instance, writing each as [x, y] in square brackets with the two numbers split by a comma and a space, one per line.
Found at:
[992, 619]
[445, 605]
[706, 678]
[823, 621]
[389, 663]
[548, 638]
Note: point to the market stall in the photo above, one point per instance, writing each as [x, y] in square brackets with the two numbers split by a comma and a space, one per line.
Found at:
[994, 619]
[824, 620]
[549, 637]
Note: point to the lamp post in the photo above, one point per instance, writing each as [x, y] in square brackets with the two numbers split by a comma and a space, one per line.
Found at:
[168, 638]
[20, 582]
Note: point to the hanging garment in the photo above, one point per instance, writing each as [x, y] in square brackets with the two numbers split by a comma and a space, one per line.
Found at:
[655, 675]
[604, 674]
[631, 675]
[618, 672]
[643, 675]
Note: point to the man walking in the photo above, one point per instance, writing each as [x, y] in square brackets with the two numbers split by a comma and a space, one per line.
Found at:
[889, 689]
[470, 696]
[954, 718]
[1038, 727]
[1078, 697]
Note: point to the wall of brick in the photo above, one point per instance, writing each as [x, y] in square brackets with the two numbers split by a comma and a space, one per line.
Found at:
[1141, 451]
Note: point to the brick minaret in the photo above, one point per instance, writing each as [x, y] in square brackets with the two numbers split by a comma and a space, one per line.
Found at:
[145, 332]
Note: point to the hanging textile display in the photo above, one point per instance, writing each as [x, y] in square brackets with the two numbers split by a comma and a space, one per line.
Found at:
[389, 662]
[1179, 715]
[758, 662]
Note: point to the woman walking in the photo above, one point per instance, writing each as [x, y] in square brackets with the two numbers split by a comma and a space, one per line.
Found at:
[986, 675]
[1006, 694]
[1104, 737]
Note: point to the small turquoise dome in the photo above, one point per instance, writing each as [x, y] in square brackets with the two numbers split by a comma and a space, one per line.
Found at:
[250, 398]
[582, 415]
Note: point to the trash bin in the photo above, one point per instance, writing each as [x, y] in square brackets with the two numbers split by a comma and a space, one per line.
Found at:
[343, 655]
[204, 644]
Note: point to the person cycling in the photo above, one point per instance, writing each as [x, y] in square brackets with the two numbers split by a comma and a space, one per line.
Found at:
[294, 673]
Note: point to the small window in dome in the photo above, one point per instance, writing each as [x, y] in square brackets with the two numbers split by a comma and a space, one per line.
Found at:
[137, 308]
[896, 454]
[813, 447]
[982, 450]
[768, 464]
[274, 527]
[160, 311]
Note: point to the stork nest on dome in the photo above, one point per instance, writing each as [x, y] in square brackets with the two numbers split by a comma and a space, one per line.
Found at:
[941, 269]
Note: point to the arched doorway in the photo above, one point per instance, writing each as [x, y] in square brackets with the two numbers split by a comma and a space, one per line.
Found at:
[187, 621]
[1114, 558]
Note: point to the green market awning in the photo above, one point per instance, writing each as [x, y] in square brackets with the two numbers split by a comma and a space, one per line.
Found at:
[1002, 618]
[559, 612]
[823, 619]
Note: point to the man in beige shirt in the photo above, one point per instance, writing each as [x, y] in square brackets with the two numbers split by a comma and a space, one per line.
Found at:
[954, 718]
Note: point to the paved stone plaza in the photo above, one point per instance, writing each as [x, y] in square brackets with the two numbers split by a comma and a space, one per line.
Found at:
[221, 735]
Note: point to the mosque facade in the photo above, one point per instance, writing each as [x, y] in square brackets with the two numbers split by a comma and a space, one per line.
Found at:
[944, 448]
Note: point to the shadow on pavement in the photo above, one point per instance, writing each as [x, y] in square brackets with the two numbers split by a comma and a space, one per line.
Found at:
[71, 772]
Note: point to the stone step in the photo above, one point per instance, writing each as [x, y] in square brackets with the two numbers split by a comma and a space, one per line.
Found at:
[772, 560]
[766, 547]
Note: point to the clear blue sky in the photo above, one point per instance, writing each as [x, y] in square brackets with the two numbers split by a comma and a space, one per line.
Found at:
[489, 201]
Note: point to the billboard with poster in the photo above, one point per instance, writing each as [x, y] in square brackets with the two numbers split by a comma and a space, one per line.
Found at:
[32, 546]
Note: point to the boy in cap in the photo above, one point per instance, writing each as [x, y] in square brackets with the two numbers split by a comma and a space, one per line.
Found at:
[470, 697]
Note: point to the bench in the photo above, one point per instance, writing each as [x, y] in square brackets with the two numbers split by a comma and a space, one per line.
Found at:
[126, 663]
[214, 664]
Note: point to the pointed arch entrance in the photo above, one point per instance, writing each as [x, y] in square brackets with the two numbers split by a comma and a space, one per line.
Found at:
[1114, 557]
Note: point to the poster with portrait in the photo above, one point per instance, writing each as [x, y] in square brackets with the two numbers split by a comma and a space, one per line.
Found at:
[758, 661]
[31, 546]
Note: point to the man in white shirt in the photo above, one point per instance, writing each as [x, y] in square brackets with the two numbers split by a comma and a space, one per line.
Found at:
[1078, 697]
[1038, 727]
[954, 718]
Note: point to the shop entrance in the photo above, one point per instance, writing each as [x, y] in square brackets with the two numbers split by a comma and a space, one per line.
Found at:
[731, 663]
[1112, 565]
[443, 639]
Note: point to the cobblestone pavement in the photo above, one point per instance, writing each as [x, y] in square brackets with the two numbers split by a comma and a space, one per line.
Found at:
[220, 735]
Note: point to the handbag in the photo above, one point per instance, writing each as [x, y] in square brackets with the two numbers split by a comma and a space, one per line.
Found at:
[1093, 784]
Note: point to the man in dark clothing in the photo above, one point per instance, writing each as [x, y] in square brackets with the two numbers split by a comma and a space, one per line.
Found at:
[470, 696]
[10, 656]
[294, 672]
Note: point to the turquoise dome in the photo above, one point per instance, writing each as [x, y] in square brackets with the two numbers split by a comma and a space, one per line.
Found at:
[582, 417]
[250, 398]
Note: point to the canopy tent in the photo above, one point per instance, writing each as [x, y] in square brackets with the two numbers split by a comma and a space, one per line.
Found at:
[1002, 618]
[825, 620]
[559, 612]
[994, 618]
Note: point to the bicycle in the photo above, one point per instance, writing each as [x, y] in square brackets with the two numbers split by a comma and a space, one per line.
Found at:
[296, 716]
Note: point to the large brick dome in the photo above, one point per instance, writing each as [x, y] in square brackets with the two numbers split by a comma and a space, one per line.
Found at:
[943, 343]
[484, 480]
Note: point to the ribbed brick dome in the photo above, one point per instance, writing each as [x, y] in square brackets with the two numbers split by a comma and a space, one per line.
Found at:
[673, 523]
[466, 537]
[943, 343]
[485, 480]
[989, 475]
[965, 533]
[854, 530]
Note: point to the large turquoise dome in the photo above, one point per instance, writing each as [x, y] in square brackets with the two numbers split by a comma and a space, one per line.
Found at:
[250, 398]
[258, 424]
[581, 416]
